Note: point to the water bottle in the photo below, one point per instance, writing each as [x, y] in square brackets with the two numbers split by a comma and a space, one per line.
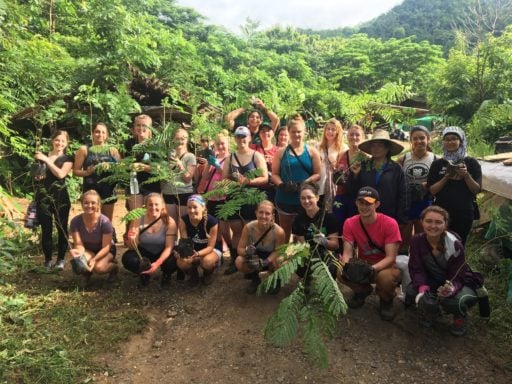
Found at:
[134, 184]
[31, 217]
[483, 302]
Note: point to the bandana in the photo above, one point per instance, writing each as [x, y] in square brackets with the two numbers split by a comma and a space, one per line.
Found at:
[460, 153]
[198, 199]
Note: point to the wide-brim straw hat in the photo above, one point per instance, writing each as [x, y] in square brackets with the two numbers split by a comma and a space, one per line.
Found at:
[382, 135]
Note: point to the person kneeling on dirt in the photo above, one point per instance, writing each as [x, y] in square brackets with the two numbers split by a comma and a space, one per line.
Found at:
[198, 246]
[256, 249]
[440, 276]
[93, 249]
[377, 238]
[151, 240]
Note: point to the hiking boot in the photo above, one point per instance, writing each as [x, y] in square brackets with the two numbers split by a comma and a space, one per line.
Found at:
[357, 300]
[48, 265]
[459, 326]
[386, 310]
[207, 278]
[59, 265]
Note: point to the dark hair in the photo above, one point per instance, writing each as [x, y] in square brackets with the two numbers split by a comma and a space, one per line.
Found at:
[255, 111]
[443, 212]
[309, 186]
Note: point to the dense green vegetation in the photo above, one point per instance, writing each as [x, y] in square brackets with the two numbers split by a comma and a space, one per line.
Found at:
[68, 64]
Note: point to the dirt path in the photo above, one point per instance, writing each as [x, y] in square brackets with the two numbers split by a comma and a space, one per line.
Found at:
[214, 334]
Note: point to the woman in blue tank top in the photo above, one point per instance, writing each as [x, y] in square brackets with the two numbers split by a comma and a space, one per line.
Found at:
[293, 165]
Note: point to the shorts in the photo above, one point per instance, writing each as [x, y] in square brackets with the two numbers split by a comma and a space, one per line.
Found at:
[180, 199]
[418, 207]
[213, 206]
[287, 209]
[247, 212]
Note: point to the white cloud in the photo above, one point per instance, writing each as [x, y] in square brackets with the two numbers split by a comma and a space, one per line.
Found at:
[319, 14]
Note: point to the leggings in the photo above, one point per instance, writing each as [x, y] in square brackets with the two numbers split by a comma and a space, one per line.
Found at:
[131, 261]
[45, 215]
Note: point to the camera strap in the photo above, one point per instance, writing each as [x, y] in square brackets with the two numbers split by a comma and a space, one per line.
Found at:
[264, 234]
[298, 158]
[370, 241]
[148, 226]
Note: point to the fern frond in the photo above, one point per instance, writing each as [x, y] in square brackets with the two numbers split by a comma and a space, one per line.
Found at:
[294, 256]
[283, 325]
[327, 288]
[312, 336]
[134, 214]
[108, 199]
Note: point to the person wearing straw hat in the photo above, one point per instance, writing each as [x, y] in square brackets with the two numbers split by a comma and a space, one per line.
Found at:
[383, 174]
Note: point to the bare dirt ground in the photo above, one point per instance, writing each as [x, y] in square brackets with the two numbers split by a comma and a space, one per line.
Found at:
[214, 334]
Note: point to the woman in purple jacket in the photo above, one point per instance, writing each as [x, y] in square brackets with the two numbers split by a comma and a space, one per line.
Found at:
[439, 272]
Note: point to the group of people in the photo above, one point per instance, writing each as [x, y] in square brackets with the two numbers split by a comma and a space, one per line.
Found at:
[319, 194]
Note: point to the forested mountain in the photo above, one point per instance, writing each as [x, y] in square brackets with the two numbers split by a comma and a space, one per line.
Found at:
[433, 20]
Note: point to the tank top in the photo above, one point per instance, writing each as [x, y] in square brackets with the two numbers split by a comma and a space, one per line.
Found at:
[267, 245]
[243, 169]
[95, 158]
[292, 170]
[152, 242]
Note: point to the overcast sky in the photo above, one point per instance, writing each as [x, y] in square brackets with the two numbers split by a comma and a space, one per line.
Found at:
[315, 14]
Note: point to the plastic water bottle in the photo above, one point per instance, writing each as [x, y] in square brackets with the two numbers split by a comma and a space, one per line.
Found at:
[134, 184]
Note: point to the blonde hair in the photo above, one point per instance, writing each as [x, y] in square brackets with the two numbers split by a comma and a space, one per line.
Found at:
[143, 117]
[294, 120]
[164, 215]
[91, 192]
[338, 140]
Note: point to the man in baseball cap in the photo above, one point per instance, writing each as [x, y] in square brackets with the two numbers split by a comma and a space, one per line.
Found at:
[377, 238]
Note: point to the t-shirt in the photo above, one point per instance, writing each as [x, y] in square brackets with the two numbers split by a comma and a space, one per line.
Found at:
[306, 226]
[455, 195]
[93, 240]
[197, 233]
[188, 159]
[384, 230]
[54, 187]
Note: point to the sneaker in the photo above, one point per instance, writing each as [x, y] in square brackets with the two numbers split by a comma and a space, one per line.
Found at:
[459, 326]
[166, 280]
[386, 310]
[425, 322]
[230, 269]
[180, 275]
[48, 265]
[144, 280]
[112, 275]
[253, 286]
[59, 266]
[208, 277]
[194, 276]
[357, 300]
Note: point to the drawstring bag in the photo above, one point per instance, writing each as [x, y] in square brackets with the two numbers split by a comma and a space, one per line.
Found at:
[31, 220]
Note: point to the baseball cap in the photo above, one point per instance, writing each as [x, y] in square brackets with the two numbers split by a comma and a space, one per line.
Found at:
[368, 194]
[242, 131]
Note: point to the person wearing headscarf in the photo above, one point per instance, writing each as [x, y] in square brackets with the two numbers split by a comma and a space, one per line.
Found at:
[455, 180]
